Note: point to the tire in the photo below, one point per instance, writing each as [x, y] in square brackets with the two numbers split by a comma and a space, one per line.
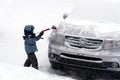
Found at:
[56, 66]
[88, 75]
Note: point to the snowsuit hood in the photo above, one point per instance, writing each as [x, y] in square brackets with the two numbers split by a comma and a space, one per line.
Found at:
[28, 30]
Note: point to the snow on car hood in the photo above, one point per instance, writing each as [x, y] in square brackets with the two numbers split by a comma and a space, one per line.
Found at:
[95, 18]
[90, 29]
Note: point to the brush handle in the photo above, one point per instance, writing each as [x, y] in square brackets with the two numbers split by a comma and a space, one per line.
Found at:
[45, 30]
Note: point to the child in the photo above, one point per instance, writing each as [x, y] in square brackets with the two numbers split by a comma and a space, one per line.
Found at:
[30, 46]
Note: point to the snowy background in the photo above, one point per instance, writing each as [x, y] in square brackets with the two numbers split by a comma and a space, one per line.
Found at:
[14, 15]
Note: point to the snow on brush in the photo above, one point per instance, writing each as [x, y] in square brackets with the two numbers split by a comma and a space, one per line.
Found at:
[13, 72]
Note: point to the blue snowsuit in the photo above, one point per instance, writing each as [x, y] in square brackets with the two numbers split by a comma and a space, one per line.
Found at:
[30, 43]
[30, 46]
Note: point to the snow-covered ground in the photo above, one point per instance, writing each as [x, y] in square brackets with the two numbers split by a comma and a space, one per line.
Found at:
[14, 15]
[12, 72]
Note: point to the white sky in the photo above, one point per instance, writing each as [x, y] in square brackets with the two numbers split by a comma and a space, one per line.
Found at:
[14, 15]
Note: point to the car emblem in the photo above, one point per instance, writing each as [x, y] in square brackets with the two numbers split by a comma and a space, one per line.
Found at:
[82, 42]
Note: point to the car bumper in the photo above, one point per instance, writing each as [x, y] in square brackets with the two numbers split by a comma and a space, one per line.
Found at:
[98, 72]
[79, 63]
[93, 67]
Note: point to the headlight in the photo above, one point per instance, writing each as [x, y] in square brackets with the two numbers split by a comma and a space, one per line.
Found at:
[111, 44]
[57, 37]
[60, 38]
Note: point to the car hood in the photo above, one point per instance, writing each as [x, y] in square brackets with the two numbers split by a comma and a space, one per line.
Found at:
[91, 29]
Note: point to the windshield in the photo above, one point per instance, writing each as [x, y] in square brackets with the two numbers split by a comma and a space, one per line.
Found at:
[79, 30]
[97, 10]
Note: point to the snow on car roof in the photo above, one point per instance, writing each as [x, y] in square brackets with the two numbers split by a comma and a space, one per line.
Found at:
[97, 10]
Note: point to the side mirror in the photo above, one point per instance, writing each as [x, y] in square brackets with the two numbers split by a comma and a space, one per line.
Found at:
[65, 15]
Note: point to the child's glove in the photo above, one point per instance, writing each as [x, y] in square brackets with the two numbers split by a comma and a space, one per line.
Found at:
[41, 33]
[53, 27]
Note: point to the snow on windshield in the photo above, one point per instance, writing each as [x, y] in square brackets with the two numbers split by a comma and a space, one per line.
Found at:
[97, 10]
[90, 29]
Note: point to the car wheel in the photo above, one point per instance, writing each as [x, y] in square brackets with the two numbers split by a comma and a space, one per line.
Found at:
[88, 77]
[57, 66]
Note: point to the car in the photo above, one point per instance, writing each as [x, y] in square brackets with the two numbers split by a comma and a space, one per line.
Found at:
[89, 38]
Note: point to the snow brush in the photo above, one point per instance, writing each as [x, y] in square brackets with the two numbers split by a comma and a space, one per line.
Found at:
[53, 27]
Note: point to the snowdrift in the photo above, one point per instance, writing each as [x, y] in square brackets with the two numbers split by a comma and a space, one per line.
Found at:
[13, 72]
